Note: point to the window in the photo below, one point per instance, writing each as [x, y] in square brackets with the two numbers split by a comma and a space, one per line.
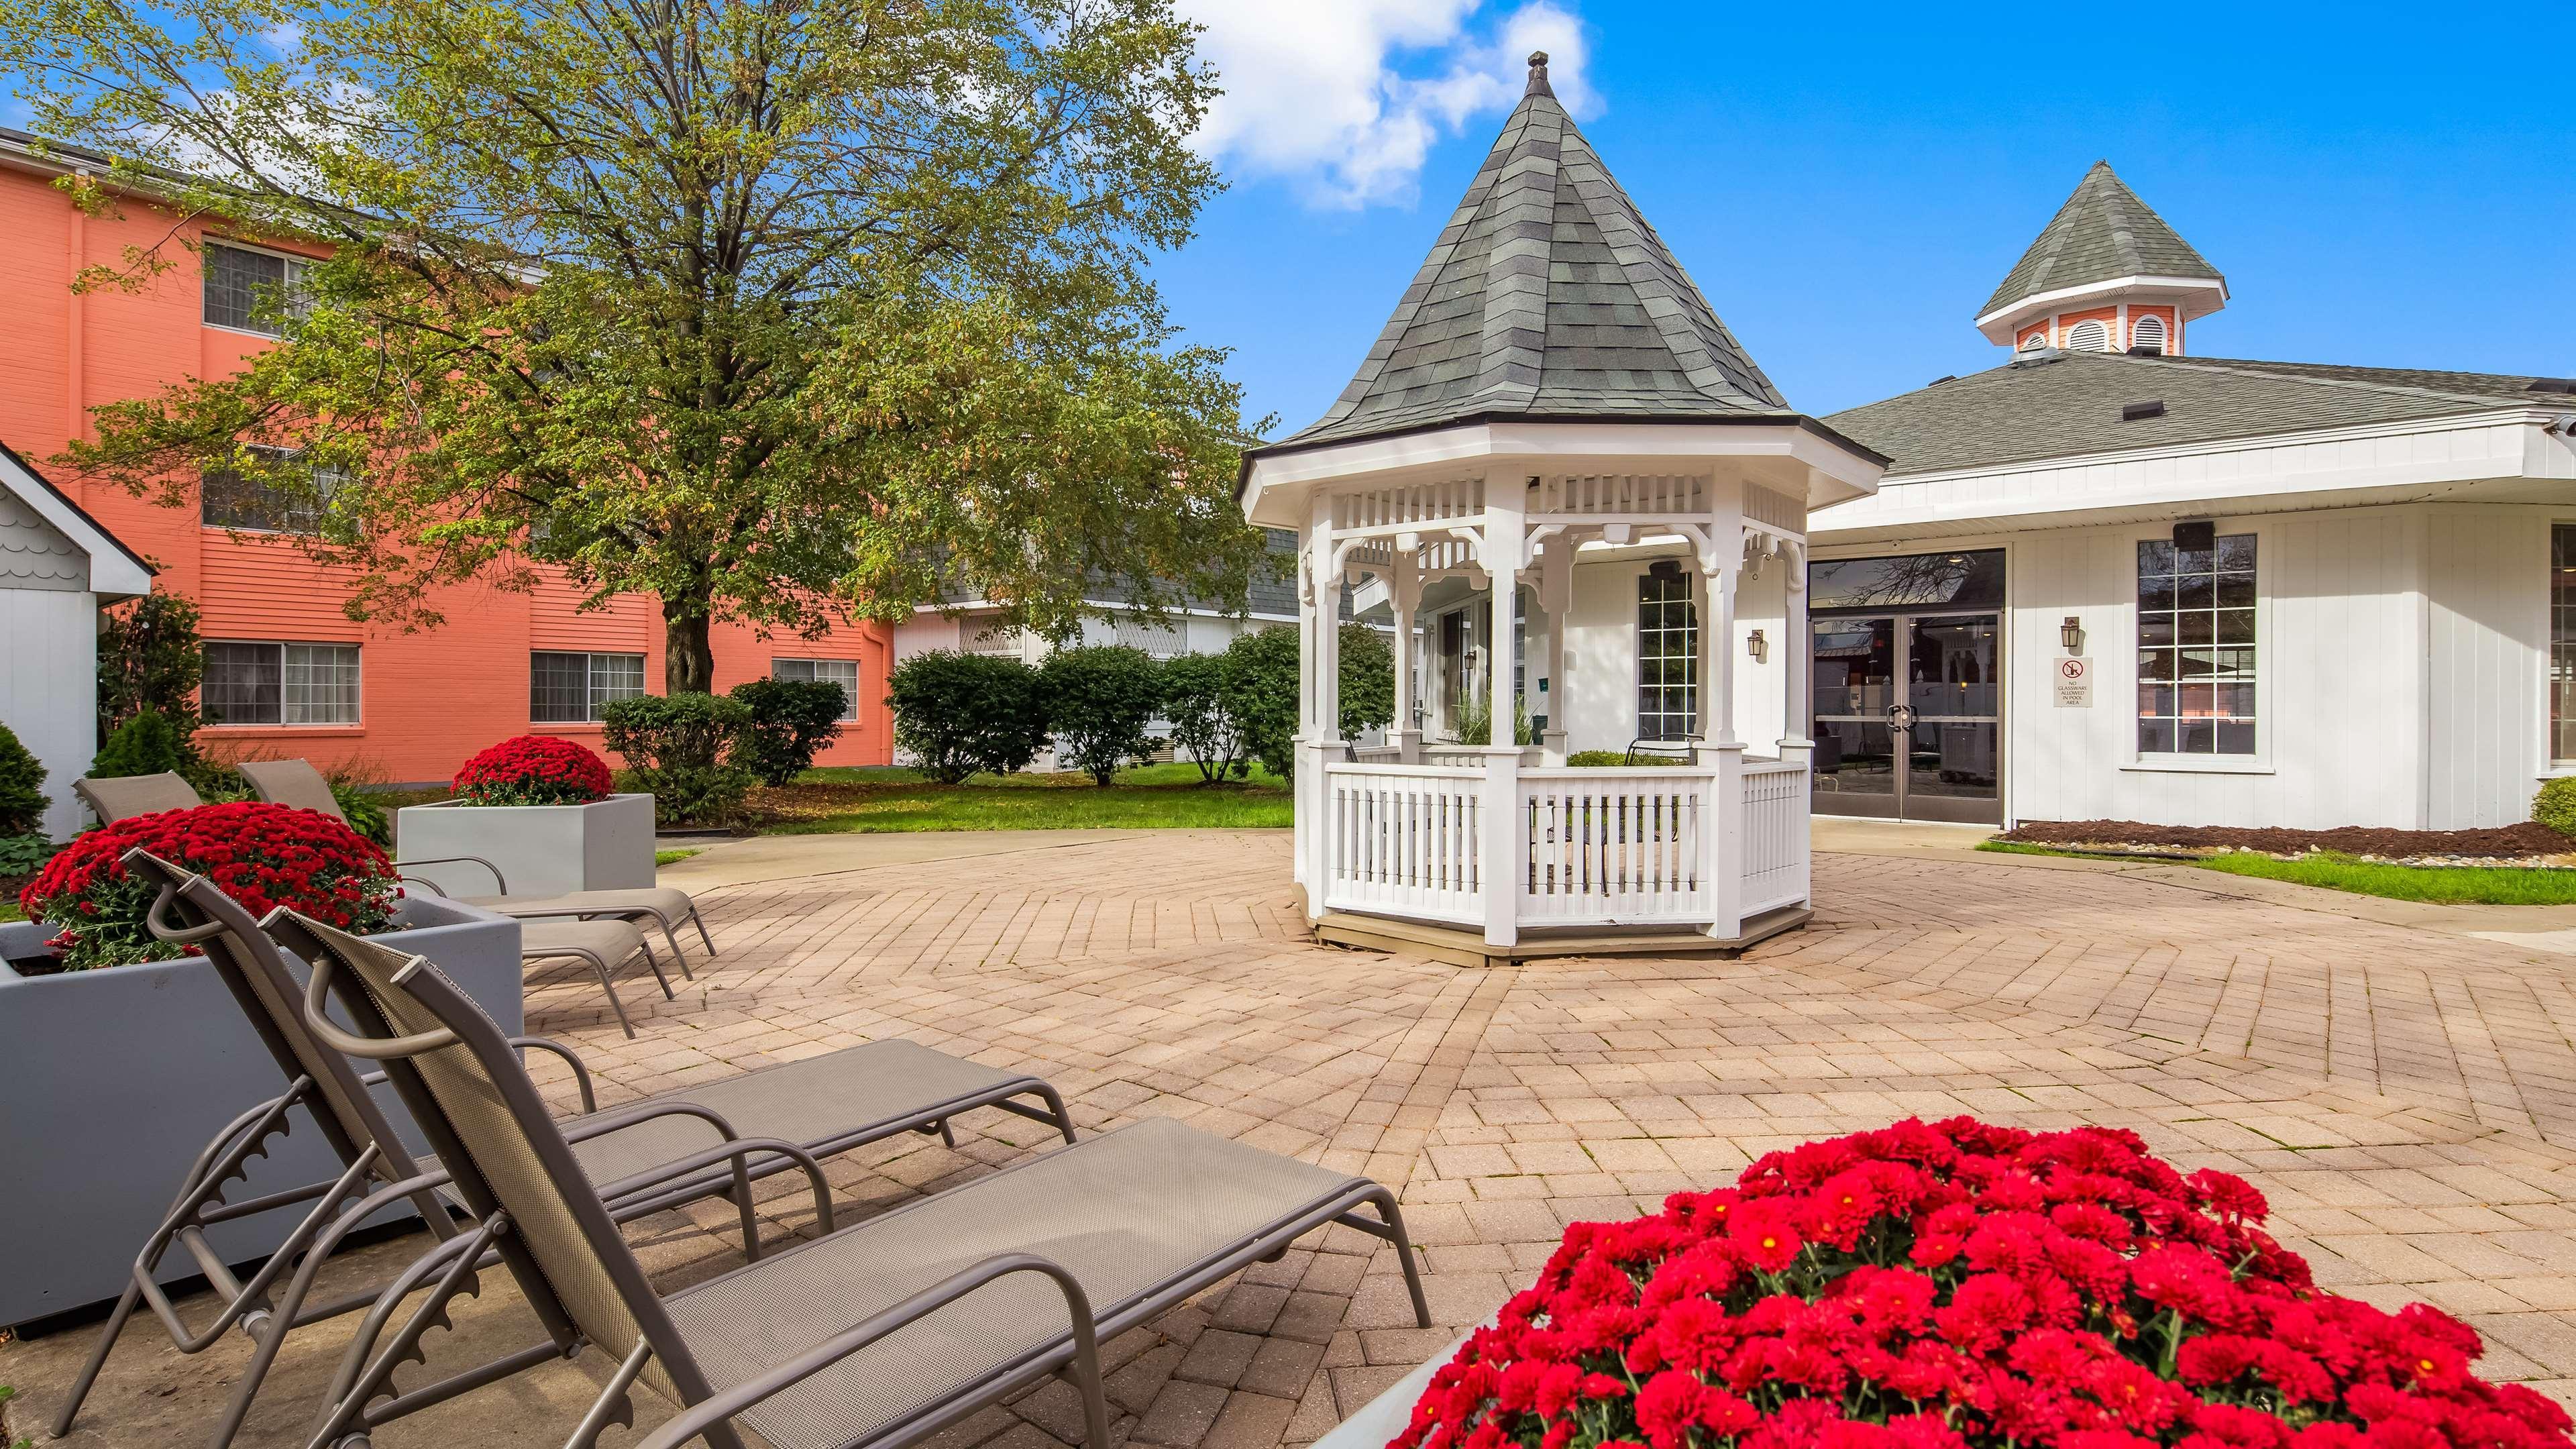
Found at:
[1667, 657]
[1160, 640]
[262, 683]
[2034, 342]
[843, 672]
[2562, 642]
[2088, 337]
[573, 688]
[250, 290]
[2148, 333]
[2196, 623]
[226, 499]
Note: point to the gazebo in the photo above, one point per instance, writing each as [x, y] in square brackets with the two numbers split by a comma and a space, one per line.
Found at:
[1581, 508]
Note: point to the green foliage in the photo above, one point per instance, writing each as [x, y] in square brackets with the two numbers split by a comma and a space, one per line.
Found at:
[146, 744]
[684, 749]
[1367, 680]
[1472, 722]
[24, 854]
[2478, 885]
[791, 719]
[770, 311]
[149, 658]
[2555, 806]
[22, 797]
[963, 713]
[1203, 731]
[1260, 692]
[366, 816]
[1596, 759]
[1099, 698]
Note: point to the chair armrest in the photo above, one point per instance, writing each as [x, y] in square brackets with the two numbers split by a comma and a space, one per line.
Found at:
[502, 885]
[618, 1118]
[708, 1413]
[580, 1073]
[739, 1151]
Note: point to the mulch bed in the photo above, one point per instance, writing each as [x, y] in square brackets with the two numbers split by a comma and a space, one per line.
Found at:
[2518, 842]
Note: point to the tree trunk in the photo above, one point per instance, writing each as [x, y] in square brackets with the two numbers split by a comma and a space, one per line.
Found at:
[688, 660]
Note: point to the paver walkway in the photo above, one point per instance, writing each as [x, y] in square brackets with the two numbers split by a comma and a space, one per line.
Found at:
[2406, 1096]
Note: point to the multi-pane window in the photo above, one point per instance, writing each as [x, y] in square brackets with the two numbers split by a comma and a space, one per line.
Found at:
[1667, 658]
[843, 672]
[226, 499]
[2562, 642]
[566, 688]
[265, 683]
[251, 290]
[2196, 622]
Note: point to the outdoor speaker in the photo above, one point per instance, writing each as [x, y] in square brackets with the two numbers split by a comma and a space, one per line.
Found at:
[2201, 535]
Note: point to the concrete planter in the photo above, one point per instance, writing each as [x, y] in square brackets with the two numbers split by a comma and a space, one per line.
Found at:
[116, 1078]
[543, 850]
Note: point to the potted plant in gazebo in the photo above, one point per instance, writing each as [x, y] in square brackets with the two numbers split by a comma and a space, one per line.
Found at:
[542, 812]
[127, 1053]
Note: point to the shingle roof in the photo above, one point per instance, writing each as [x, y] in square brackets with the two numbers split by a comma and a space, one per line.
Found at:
[2028, 410]
[1547, 295]
[2103, 232]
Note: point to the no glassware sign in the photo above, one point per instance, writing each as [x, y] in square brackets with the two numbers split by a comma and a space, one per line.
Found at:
[2075, 683]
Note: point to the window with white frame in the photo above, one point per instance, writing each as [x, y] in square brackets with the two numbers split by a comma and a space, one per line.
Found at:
[2088, 336]
[2148, 333]
[264, 682]
[2034, 342]
[2196, 647]
[1667, 657]
[568, 688]
[2562, 643]
[251, 290]
[843, 672]
[227, 499]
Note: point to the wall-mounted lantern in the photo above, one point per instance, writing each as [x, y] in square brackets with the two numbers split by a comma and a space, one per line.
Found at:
[2071, 634]
[1757, 646]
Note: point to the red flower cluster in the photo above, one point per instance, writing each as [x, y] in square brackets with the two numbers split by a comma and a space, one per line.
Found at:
[262, 855]
[534, 770]
[1955, 1285]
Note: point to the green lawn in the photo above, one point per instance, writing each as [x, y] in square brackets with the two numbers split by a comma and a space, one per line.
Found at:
[829, 801]
[671, 857]
[2480, 885]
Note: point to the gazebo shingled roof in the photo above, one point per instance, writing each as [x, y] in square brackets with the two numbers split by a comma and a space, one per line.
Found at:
[1547, 296]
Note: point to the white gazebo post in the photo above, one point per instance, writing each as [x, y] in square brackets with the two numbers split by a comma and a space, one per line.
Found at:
[1319, 597]
[1556, 600]
[1404, 596]
[1505, 536]
[1794, 742]
[1721, 567]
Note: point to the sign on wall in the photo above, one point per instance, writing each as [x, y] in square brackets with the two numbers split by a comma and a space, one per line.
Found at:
[2074, 683]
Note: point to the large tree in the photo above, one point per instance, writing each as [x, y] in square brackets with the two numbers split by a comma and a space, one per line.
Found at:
[779, 312]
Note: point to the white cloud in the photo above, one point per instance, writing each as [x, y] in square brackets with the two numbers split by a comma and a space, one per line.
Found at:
[1344, 98]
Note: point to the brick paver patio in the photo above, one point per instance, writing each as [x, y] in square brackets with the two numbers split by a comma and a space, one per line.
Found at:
[2406, 1097]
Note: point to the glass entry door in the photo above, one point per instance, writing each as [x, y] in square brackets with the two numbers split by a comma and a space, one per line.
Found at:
[1907, 710]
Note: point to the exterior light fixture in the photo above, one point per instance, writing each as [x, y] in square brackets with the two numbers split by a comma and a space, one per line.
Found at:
[1757, 646]
[2071, 634]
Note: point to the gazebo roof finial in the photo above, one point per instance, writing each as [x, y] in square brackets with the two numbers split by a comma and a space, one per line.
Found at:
[1538, 85]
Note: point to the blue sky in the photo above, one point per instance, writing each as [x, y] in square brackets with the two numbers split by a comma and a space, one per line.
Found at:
[1848, 184]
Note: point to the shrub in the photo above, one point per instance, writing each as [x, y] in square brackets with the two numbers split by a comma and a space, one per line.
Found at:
[1955, 1285]
[261, 855]
[2555, 806]
[1099, 698]
[958, 713]
[146, 744]
[1596, 759]
[359, 803]
[533, 770]
[23, 801]
[1202, 729]
[1472, 722]
[791, 720]
[1260, 675]
[24, 854]
[1367, 675]
[685, 750]
[149, 658]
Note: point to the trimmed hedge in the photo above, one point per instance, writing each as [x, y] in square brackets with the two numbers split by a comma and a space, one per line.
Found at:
[958, 714]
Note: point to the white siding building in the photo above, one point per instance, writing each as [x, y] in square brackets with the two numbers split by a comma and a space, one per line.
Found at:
[56, 567]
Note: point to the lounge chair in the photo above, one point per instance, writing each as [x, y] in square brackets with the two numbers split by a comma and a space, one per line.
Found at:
[646, 1156]
[605, 944]
[297, 783]
[120, 797]
[878, 1334]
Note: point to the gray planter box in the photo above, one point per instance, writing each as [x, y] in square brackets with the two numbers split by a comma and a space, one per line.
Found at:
[543, 850]
[116, 1079]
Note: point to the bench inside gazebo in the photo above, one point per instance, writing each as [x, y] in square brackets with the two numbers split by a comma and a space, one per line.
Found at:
[1554, 407]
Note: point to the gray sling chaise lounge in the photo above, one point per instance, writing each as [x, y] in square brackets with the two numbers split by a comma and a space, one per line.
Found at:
[878, 1334]
[119, 796]
[297, 783]
[645, 1156]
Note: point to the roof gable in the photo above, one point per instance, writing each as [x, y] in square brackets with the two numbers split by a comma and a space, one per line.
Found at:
[2102, 233]
[113, 569]
[1547, 295]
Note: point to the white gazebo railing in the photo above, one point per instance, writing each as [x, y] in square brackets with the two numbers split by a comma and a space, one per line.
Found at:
[1616, 847]
[1406, 840]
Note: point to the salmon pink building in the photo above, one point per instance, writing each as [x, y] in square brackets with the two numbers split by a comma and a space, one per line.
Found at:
[287, 673]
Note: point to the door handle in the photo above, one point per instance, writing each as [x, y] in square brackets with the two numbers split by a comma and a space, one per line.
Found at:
[1900, 717]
